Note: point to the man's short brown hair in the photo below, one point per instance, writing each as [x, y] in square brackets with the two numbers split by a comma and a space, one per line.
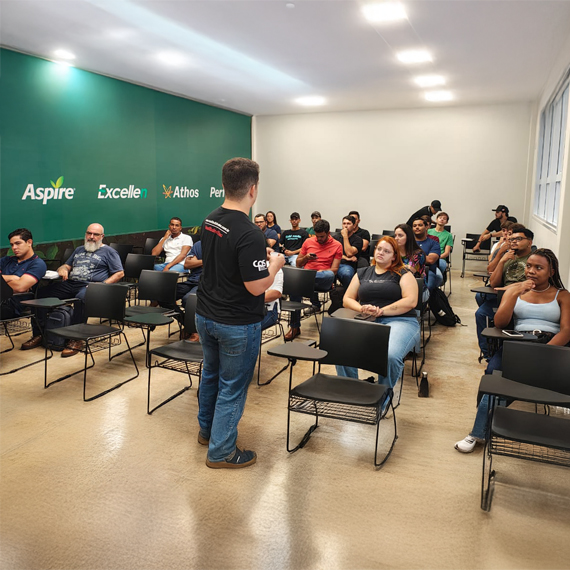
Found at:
[507, 225]
[238, 176]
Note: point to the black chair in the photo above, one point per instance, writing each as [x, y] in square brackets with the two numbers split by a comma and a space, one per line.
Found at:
[347, 343]
[298, 282]
[469, 242]
[182, 356]
[422, 308]
[390, 233]
[447, 274]
[149, 245]
[123, 250]
[133, 266]
[535, 373]
[105, 302]
[157, 286]
[67, 254]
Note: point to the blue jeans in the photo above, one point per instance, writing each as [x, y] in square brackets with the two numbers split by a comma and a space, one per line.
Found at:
[345, 274]
[484, 312]
[230, 354]
[479, 430]
[323, 282]
[404, 337]
[292, 260]
[178, 267]
[442, 265]
[270, 318]
[434, 279]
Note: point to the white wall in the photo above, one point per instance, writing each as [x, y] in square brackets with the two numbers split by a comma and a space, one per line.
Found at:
[388, 164]
[558, 241]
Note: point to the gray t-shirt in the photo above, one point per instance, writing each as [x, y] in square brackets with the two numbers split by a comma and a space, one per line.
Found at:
[94, 267]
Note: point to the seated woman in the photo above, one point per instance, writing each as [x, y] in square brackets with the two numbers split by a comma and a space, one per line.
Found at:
[412, 254]
[389, 292]
[272, 222]
[541, 303]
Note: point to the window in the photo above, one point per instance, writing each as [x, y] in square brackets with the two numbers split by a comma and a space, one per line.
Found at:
[550, 158]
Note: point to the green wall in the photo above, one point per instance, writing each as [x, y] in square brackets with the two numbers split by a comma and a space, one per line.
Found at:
[91, 130]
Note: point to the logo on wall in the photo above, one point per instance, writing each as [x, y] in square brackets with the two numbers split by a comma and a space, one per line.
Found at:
[56, 192]
[180, 192]
[121, 193]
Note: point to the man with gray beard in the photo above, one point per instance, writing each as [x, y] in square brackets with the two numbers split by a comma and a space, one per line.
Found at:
[92, 262]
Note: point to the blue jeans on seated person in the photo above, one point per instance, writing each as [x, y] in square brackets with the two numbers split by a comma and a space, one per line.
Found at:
[230, 354]
[442, 265]
[404, 337]
[271, 318]
[291, 260]
[345, 274]
[178, 267]
[434, 279]
[484, 312]
[323, 282]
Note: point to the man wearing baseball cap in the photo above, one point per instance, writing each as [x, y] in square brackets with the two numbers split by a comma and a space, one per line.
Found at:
[494, 228]
[430, 211]
[315, 217]
[292, 240]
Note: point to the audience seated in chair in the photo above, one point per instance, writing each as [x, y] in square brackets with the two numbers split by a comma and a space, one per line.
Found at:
[539, 303]
[321, 253]
[292, 240]
[388, 292]
[315, 217]
[413, 256]
[501, 247]
[445, 240]
[364, 235]
[432, 251]
[272, 224]
[21, 271]
[351, 248]
[175, 246]
[510, 269]
[90, 263]
[271, 237]
[494, 228]
[272, 296]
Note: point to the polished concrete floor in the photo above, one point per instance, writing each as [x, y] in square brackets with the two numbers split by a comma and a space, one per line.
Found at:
[102, 485]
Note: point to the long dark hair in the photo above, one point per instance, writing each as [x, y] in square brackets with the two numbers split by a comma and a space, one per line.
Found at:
[412, 246]
[555, 278]
[274, 216]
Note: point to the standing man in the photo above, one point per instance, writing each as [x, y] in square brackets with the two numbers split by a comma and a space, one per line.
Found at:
[362, 234]
[271, 237]
[292, 240]
[231, 306]
[429, 211]
[21, 271]
[351, 248]
[432, 251]
[315, 217]
[494, 228]
[175, 245]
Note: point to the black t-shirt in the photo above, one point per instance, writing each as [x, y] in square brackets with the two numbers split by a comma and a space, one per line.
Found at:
[293, 239]
[426, 211]
[354, 241]
[495, 225]
[364, 235]
[233, 251]
[381, 289]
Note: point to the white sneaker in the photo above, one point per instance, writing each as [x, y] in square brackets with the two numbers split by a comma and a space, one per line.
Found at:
[467, 445]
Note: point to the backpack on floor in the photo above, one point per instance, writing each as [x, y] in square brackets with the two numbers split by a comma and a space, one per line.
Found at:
[60, 317]
[442, 310]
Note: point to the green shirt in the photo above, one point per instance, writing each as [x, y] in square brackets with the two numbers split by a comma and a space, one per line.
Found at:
[445, 238]
[513, 271]
[311, 231]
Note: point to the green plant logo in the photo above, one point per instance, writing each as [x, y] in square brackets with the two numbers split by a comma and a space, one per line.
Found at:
[57, 184]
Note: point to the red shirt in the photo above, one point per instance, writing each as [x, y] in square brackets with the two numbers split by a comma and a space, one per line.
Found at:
[326, 253]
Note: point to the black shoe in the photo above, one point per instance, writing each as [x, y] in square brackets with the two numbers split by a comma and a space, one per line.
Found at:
[239, 459]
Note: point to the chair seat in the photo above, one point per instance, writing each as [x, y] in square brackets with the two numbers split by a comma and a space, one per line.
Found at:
[294, 306]
[142, 309]
[528, 427]
[84, 331]
[128, 284]
[341, 390]
[181, 350]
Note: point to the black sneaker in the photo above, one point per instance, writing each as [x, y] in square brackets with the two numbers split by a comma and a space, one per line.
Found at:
[239, 459]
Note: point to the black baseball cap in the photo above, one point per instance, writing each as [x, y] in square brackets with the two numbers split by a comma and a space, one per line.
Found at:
[436, 205]
[295, 216]
[501, 208]
[316, 214]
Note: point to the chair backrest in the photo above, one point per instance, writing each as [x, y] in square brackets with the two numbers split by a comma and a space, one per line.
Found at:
[67, 254]
[360, 344]
[105, 301]
[5, 290]
[390, 233]
[420, 281]
[136, 262]
[539, 365]
[485, 245]
[123, 250]
[158, 286]
[190, 314]
[149, 245]
[298, 282]
[447, 228]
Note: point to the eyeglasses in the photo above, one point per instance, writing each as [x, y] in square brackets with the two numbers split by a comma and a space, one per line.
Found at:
[517, 239]
[93, 234]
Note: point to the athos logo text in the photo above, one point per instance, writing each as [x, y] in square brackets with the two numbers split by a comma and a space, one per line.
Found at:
[121, 193]
[180, 192]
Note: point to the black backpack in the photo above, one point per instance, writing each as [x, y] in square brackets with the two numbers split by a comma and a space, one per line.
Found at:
[60, 317]
[442, 310]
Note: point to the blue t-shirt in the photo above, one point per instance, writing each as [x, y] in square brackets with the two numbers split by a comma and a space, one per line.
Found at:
[272, 234]
[428, 246]
[33, 266]
[196, 252]
[94, 267]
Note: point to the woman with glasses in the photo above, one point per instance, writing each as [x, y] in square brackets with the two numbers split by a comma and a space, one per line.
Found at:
[540, 305]
[388, 292]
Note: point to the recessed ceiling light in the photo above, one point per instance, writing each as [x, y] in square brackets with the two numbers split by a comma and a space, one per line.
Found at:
[311, 101]
[429, 80]
[438, 95]
[171, 58]
[414, 56]
[63, 54]
[289, 5]
[62, 63]
[384, 12]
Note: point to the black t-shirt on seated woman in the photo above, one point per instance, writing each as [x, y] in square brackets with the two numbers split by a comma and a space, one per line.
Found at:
[380, 290]
[233, 251]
